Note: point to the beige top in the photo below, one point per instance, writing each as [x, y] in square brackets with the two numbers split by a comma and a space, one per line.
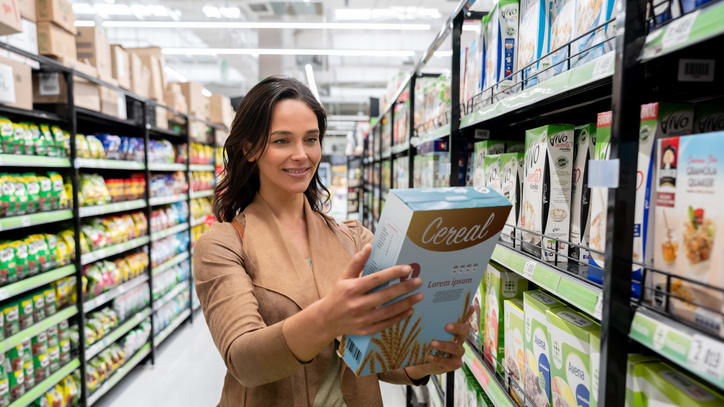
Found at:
[246, 295]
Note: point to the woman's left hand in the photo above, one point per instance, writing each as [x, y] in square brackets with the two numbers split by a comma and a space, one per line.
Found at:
[455, 350]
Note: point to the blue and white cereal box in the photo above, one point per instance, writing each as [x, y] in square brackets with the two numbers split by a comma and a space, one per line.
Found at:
[532, 37]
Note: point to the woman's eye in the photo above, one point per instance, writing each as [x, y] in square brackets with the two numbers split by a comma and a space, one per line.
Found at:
[312, 139]
[280, 141]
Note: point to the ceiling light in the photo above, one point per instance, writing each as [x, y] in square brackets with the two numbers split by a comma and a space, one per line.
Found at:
[211, 12]
[261, 25]
[310, 80]
[290, 51]
[390, 13]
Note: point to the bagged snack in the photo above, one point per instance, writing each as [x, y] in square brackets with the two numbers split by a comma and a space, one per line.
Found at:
[64, 356]
[17, 383]
[7, 142]
[39, 306]
[25, 317]
[69, 240]
[50, 301]
[22, 201]
[11, 311]
[8, 267]
[54, 357]
[38, 247]
[19, 139]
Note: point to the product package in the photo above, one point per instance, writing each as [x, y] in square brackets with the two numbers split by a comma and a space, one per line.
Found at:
[500, 285]
[511, 170]
[546, 205]
[571, 332]
[584, 150]
[650, 383]
[690, 190]
[708, 118]
[589, 15]
[500, 36]
[477, 323]
[491, 168]
[448, 236]
[538, 346]
[532, 38]
[482, 149]
[599, 202]
[514, 345]
[561, 19]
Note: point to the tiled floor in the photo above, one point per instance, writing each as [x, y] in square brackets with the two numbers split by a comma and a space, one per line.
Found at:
[189, 372]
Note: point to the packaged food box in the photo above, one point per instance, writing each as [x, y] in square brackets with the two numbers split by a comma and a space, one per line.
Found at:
[448, 236]
[500, 35]
[17, 383]
[532, 38]
[12, 323]
[589, 15]
[584, 150]
[538, 346]
[561, 19]
[25, 316]
[476, 320]
[50, 304]
[4, 385]
[595, 348]
[514, 146]
[39, 343]
[708, 118]
[571, 356]
[546, 207]
[655, 383]
[690, 190]
[38, 306]
[482, 149]
[511, 187]
[500, 285]
[28, 367]
[599, 202]
[54, 358]
[514, 345]
[491, 167]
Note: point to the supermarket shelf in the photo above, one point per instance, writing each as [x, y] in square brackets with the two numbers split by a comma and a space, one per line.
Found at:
[36, 281]
[98, 117]
[98, 346]
[571, 80]
[35, 114]
[698, 353]
[170, 263]
[163, 132]
[486, 378]
[170, 231]
[690, 29]
[111, 208]
[439, 132]
[22, 221]
[96, 302]
[109, 164]
[400, 148]
[40, 388]
[12, 160]
[163, 200]
[386, 155]
[202, 167]
[198, 221]
[37, 328]
[586, 297]
[166, 167]
[112, 250]
[119, 374]
[180, 287]
[202, 194]
[171, 327]
[438, 389]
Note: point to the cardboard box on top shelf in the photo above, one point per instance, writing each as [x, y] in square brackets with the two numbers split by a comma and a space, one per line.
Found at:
[59, 12]
[16, 85]
[195, 102]
[121, 66]
[113, 102]
[155, 85]
[27, 40]
[9, 17]
[27, 9]
[140, 76]
[174, 98]
[52, 88]
[55, 42]
[92, 44]
[161, 118]
[221, 110]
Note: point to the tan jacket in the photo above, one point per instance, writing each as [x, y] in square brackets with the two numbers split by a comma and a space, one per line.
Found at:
[245, 307]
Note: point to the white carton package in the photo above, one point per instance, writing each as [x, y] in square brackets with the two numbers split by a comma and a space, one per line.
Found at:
[589, 15]
[491, 165]
[511, 186]
[585, 144]
[561, 18]
[599, 202]
[501, 37]
[546, 207]
[532, 38]
[481, 149]
[448, 236]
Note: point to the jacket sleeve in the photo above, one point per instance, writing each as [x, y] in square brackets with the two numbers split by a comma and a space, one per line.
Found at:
[254, 353]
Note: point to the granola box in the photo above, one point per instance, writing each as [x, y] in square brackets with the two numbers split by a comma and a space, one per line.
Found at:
[491, 167]
[546, 207]
[514, 346]
[511, 186]
[599, 202]
[481, 149]
[448, 236]
[584, 149]
[652, 383]
[561, 19]
[708, 118]
[500, 47]
[589, 15]
[689, 222]
[532, 38]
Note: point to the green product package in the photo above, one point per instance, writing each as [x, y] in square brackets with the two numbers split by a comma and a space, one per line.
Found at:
[537, 374]
[476, 321]
[481, 149]
[45, 195]
[595, 347]
[14, 358]
[32, 184]
[655, 383]
[11, 312]
[570, 334]
[21, 258]
[53, 339]
[25, 315]
[19, 138]
[6, 136]
[41, 364]
[38, 306]
[491, 168]
[64, 356]
[21, 195]
[4, 391]
[40, 143]
[52, 241]
[29, 374]
[63, 330]
[514, 147]
[8, 267]
[39, 343]
[514, 345]
[50, 303]
[17, 384]
[52, 148]
[54, 356]
[500, 285]
[38, 250]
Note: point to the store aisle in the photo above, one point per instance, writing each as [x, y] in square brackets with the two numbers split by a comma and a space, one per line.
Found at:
[189, 372]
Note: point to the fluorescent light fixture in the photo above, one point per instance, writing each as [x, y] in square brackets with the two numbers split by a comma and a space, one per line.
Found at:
[206, 92]
[280, 25]
[221, 12]
[310, 80]
[390, 13]
[290, 51]
[125, 10]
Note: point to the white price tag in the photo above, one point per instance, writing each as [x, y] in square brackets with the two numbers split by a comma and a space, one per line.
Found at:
[706, 355]
[528, 269]
[25, 221]
[603, 66]
[7, 84]
[678, 30]
[660, 336]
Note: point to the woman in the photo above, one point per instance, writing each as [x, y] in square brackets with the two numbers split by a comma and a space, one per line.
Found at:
[279, 281]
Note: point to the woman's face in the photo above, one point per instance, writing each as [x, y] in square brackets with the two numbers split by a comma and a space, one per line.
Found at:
[293, 150]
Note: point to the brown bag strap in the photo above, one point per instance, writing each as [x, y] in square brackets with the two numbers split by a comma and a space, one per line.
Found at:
[239, 229]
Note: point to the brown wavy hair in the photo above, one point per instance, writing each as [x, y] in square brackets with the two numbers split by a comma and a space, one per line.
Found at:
[251, 126]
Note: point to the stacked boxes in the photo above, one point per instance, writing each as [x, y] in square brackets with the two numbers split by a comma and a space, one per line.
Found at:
[56, 28]
[482, 149]
[511, 186]
[500, 285]
[538, 346]
[515, 345]
[584, 150]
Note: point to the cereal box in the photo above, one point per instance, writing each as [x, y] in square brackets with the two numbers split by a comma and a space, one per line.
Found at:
[511, 170]
[514, 345]
[708, 118]
[532, 38]
[481, 149]
[448, 236]
[514, 146]
[571, 356]
[654, 383]
[599, 202]
[491, 167]
[500, 285]
[547, 190]
[501, 35]
[589, 15]
[538, 346]
[561, 18]
[689, 219]
[580, 193]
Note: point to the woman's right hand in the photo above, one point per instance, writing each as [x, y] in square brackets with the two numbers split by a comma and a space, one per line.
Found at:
[352, 309]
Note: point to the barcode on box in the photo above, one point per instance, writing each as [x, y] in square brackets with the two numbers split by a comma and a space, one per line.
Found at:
[696, 70]
[352, 348]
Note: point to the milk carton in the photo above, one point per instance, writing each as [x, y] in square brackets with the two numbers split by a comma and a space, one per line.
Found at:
[448, 236]
[532, 38]
[655, 383]
[538, 346]
[491, 167]
[481, 149]
[514, 345]
[708, 118]
[571, 356]
[561, 18]
[547, 192]
[511, 170]
[599, 202]
[584, 149]
[500, 285]
[589, 15]
[689, 221]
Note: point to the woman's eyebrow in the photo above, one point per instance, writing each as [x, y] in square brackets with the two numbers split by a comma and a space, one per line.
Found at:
[281, 133]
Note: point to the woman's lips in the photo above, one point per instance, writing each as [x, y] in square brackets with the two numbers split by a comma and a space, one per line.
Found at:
[297, 172]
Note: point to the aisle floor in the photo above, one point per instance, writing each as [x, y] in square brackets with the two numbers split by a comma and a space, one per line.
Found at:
[189, 372]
